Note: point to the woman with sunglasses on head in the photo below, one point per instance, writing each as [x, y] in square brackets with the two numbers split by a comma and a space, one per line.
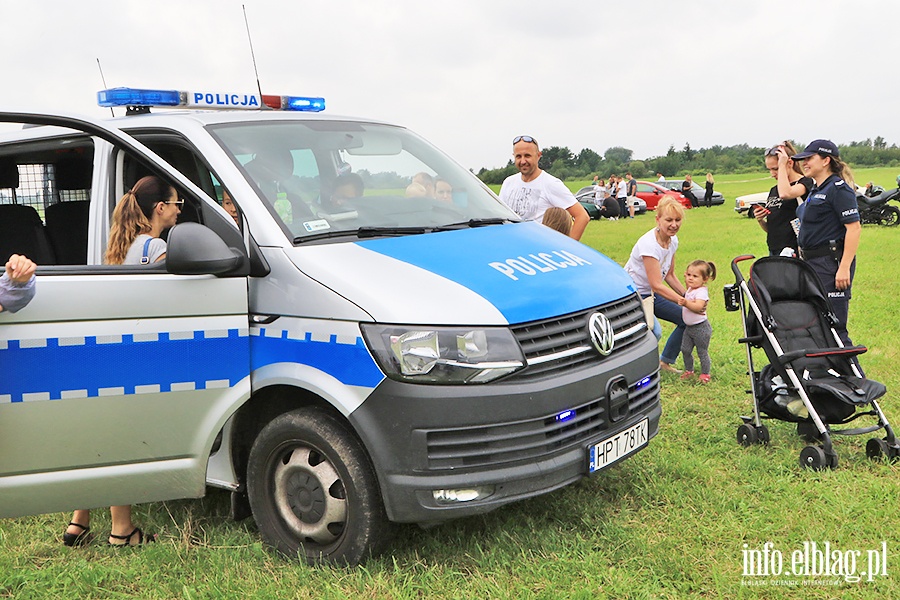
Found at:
[781, 206]
[830, 226]
[149, 208]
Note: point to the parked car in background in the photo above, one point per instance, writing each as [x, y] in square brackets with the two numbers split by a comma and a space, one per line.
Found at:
[745, 204]
[697, 190]
[586, 197]
[652, 193]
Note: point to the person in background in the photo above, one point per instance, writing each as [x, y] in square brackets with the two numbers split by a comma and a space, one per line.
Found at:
[426, 181]
[652, 267]
[416, 190]
[610, 208]
[687, 190]
[829, 226]
[697, 330]
[660, 177]
[230, 207]
[443, 191]
[780, 209]
[531, 191]
[631, 189]
[344, 188]
[559, 219]
[17, 283]
[622, 195]
[707, 197]
[601, 192]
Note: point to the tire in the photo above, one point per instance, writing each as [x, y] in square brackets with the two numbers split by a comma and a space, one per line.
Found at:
[762, 432]
[750, 211]
[313, 490]
[813, 457]
[890, 216]
[876, 449]
[747, 435]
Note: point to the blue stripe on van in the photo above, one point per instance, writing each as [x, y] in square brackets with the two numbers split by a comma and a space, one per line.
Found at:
[186, 361]
[48, 369]
[351, 364]
[526, 270]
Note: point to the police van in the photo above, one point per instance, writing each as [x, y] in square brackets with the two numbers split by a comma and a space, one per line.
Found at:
[338, 357]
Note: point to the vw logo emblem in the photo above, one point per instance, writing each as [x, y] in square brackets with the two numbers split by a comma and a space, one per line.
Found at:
[602, 334]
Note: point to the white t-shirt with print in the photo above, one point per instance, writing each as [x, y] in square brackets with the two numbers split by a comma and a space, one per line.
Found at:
[530, 199]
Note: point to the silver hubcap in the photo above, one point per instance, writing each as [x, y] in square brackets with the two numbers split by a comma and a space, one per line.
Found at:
[310, 496]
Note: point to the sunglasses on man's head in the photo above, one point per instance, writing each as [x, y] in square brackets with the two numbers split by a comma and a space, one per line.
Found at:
[524, 138]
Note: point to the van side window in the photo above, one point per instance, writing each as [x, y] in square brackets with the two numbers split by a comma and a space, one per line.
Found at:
[45, 191]
[181, 155]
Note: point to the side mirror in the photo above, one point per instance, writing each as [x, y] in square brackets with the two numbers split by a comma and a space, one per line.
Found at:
[193, 249]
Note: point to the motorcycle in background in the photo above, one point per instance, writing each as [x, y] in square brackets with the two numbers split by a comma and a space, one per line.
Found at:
[876, 210]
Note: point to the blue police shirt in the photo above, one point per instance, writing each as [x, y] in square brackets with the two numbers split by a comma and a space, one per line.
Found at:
[827, 209]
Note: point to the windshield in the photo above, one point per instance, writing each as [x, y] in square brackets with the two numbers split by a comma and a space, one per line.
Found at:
[328, 178]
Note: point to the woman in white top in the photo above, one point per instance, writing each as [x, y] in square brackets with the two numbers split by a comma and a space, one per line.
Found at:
[140, 218]
[652, 267]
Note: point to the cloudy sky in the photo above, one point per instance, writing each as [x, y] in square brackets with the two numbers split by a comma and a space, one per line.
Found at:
[469, 75]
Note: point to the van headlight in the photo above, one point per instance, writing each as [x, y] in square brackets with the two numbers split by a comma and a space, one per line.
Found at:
[443, 355]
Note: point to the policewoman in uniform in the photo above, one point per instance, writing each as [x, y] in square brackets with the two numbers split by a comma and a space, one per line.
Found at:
[829, 225]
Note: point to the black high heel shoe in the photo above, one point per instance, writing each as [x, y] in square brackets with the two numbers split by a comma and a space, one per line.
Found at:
[81, 538]
[142, 538]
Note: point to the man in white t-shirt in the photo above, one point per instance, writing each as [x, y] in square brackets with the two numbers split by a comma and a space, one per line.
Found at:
[531, 192]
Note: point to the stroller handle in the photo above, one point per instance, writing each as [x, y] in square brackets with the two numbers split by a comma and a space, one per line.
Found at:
[737, 272]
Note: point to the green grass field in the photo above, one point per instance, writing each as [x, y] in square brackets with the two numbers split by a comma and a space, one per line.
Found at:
[673, 522]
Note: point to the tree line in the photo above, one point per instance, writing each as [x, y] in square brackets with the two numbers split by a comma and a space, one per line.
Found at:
[741, 158]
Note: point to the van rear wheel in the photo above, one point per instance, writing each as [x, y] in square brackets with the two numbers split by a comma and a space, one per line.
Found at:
[313, 491]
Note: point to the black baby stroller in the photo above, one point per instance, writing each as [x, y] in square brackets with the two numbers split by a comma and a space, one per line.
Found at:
[812, 379]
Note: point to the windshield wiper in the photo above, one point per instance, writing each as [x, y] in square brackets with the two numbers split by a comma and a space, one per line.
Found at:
[324, 235]
[473, 223]
[367, 232]
[370, 232]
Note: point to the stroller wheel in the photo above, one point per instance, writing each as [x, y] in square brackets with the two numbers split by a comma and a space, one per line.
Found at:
[762, 432]
[876, 449]
[813, 457]
[747, 435]
[808, 432]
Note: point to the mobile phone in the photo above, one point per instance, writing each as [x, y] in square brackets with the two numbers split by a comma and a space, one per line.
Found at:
[764, 210]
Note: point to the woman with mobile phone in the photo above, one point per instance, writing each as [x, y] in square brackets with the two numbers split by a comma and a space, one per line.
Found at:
[781, 206]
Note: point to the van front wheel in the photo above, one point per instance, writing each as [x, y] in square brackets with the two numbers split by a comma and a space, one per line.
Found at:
[313, 491]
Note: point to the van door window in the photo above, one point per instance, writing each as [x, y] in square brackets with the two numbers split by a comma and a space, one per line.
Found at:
[45, 193]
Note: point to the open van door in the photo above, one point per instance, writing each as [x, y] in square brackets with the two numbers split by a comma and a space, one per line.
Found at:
[115, 380]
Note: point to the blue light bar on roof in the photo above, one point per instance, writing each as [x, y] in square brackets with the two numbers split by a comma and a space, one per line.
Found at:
[302, 103]
[133, 97]
[207, 100]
